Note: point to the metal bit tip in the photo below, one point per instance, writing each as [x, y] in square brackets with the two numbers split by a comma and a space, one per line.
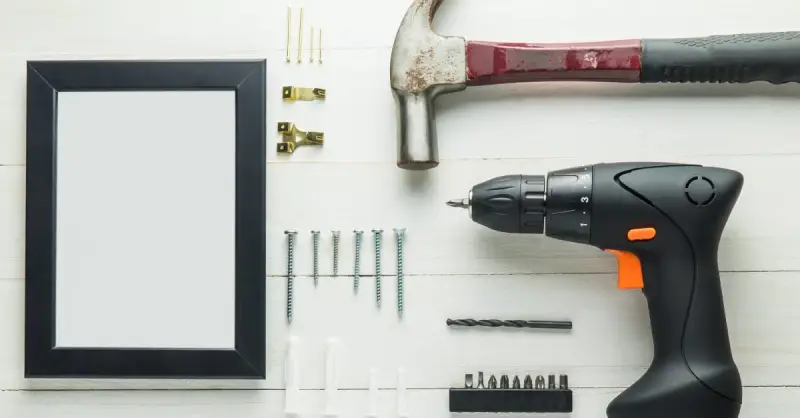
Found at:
[458, 203]
[528, 382]
[492, 382]
[516, 383]
[539, 382]
[503, 382]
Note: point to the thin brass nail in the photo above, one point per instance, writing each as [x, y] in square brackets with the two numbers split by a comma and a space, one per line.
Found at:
[311, 47]
[319, 41]
[300, 39]
[288, 32]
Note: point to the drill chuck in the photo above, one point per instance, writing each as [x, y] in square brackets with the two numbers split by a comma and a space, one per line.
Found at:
[556, 205]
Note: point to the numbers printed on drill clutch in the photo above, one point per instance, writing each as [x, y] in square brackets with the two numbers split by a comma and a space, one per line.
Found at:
[293, 138]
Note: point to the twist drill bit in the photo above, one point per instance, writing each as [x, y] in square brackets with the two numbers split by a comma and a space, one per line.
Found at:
[509, 323]
[515, 384]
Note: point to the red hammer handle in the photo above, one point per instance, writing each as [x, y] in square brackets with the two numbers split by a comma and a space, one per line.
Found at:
[743, 58]
[499, 63]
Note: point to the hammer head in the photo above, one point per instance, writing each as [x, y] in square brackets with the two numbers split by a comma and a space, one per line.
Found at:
[424, 65]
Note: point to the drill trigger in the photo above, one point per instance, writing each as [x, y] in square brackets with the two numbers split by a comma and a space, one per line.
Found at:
[630, 270]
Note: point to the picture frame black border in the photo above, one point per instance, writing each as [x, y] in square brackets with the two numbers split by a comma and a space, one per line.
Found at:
[45, 79]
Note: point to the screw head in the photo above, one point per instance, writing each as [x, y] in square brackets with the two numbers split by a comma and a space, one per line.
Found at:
[315, 232]
[377, 231]
[400, 231]
[335, 233]
[290, 232]
[357, 232]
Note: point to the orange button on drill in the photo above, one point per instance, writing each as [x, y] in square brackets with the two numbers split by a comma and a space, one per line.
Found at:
[630, 270]
[641, 234]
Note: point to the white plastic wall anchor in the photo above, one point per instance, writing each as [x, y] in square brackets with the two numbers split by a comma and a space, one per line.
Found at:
[402, 399]
[373, 393]
[331, 384]
[292, 376]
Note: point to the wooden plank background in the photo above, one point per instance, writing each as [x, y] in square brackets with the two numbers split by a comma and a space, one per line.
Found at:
[455, 268]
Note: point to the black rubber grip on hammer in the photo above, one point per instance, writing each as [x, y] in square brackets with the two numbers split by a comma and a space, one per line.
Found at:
[772, 57]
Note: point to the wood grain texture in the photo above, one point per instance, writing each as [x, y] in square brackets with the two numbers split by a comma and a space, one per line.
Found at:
[431, 403]
[455, 267]
[610, 345]
[443, 240]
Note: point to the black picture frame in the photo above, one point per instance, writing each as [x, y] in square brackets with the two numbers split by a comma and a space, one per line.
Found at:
[45, 79]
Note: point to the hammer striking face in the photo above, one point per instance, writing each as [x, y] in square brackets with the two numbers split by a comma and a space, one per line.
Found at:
[425, 64]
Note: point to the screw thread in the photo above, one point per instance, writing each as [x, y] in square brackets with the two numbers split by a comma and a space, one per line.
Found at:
[400, 273]
[290, 279]
[335, 254]
[315, 242]
[378, 296]
[357, 264]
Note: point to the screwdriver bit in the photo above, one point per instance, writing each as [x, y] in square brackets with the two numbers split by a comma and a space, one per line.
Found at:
[540, 382]
[563, 382]
[480, 381]
[515, 384]
[528, 382]
[468, 381]
[504, 382]
[492, 382]
[551, 381]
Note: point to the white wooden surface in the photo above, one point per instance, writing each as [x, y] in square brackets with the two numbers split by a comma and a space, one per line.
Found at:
[455, 267]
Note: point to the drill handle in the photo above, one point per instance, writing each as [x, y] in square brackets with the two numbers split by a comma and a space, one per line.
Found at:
[693, 374]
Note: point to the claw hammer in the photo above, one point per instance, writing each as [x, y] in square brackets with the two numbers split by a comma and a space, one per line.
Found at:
[425, 65]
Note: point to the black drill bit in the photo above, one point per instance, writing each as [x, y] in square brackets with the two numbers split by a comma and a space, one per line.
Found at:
[528, 382]
[515, 384]
[492, 382]
[509, 323]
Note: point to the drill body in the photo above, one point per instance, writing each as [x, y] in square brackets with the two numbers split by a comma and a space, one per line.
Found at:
[663, 222]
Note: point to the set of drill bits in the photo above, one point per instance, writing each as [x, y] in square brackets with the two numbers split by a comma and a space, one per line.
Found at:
[512, 395]
[377, 239]
[300, 34]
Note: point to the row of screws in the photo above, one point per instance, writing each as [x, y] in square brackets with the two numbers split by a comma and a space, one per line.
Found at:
[563, 382]
[378, 237]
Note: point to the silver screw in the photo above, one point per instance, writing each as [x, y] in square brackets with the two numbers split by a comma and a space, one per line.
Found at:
[315, 241]
[335, 253]
[378, 235]
[399, 234]
[290, 233]
[357, 264]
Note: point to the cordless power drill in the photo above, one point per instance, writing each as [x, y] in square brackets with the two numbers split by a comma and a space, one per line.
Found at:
[663, 222]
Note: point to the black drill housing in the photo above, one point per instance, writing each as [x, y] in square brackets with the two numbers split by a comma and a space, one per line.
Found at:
[693, 374]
